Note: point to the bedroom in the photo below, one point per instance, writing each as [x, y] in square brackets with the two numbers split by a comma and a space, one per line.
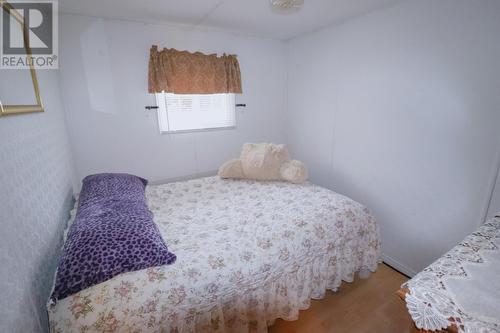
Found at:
[389, 108]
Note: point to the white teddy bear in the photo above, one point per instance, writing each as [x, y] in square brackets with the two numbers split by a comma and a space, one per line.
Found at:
[264, 161]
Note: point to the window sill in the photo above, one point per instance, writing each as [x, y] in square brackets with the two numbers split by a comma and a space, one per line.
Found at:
[213, 129]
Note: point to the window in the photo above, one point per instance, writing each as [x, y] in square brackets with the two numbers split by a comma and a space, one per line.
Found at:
[195, 112]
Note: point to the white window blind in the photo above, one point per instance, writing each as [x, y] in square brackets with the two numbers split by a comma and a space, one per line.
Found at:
[195, 112]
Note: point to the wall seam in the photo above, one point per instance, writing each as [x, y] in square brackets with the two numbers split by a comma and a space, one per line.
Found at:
[493, 181]
[287, 89]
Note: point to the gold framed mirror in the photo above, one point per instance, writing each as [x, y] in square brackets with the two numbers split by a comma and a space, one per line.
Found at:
[24, 96]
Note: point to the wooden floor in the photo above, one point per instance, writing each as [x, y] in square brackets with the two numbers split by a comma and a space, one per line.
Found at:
[364, 306]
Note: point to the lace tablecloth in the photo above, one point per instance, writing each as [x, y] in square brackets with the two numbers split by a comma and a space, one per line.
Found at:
[460, 290]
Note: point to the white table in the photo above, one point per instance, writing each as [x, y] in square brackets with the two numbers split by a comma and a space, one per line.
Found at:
[461, 290]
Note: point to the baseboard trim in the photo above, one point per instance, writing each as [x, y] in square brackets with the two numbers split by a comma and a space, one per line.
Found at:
[182, 178]
[398, 266]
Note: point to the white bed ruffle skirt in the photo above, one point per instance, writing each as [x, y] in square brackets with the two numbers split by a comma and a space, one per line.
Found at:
[256, 309]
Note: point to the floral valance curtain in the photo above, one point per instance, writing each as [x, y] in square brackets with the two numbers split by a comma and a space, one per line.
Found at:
[182, 72]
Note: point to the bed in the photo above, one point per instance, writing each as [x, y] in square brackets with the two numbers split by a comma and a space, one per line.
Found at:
[248, 252]
[459, 292]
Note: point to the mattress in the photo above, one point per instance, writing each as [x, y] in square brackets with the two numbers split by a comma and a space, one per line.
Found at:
[248, 253]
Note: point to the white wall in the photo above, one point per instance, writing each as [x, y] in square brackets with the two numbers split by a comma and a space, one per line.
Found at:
[104, 84]
[400, 110]
[35, 199]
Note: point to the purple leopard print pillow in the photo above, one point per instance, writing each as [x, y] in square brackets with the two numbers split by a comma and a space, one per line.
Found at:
[113, 233]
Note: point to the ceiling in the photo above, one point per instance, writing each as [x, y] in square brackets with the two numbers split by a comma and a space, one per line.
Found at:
[252, 17]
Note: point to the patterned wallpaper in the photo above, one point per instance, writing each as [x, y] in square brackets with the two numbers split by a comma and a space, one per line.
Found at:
[36, 176]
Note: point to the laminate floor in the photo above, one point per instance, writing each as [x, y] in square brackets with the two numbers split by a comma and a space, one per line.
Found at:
[364, 306]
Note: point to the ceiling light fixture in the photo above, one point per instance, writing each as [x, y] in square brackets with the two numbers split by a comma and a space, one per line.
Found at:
[286, 6]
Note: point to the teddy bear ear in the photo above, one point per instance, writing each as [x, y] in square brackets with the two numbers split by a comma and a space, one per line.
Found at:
[282, 149]
[275, 149]
[247, 147]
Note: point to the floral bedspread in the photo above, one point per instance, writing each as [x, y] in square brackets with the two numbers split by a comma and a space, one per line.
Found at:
[248, 252]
